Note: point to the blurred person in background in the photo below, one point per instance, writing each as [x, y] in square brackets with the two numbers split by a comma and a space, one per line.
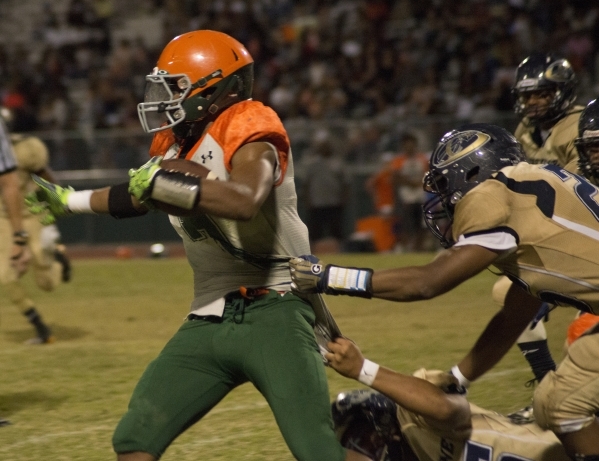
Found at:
[397, 193]
[325, 191]
[49, 263]
[16, 255]
[408, 169]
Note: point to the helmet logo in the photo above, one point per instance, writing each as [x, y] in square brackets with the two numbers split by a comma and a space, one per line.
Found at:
[461, 145]
[558, 71]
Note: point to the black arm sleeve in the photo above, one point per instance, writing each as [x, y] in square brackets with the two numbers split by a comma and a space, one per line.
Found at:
[120, 203]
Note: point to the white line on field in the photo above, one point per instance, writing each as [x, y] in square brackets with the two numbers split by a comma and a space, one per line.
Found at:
[35, 439]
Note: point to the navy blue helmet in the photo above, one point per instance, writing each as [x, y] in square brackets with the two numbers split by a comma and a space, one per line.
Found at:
[544, 72]
[462, 160]
[587, 142]
[366, 422]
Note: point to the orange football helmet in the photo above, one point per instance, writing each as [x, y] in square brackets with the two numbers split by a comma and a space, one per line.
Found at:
[198, 74]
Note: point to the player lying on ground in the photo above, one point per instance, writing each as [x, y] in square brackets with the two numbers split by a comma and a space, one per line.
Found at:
[426, 417]
[537, 224]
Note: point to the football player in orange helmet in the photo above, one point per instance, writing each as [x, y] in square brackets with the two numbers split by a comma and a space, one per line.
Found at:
[197, 76]
[238, 231]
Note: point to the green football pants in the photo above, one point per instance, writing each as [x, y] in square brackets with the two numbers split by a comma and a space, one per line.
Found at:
[268, 341]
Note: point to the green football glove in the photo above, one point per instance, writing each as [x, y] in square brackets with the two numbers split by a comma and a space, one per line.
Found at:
[141, 180]
[49, 201]
[309, 275]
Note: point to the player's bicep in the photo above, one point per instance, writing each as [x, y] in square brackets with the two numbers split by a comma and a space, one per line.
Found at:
[250, 182]
[253, 166]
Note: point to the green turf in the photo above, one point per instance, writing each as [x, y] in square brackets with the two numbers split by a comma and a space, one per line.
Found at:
[65, 399]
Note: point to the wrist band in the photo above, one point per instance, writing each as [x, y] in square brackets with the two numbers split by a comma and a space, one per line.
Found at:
[120, 203]
[350, 281]
[461, 378]
[79, 201]
[368, 372]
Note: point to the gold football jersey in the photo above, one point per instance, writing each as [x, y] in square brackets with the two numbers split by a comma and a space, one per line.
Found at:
[559, 147]
[492, 437]
[553, 216]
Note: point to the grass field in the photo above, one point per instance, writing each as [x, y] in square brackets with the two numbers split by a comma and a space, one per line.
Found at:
[65, 399]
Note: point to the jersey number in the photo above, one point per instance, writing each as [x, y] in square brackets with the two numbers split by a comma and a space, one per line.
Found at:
[583, 189]
[478, 452]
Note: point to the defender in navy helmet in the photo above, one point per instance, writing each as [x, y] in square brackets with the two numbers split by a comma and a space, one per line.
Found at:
[587, 142]
[463, 159]
[545, 88]
[366, 422]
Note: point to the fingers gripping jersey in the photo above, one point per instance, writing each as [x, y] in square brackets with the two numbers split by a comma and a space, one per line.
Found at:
[492, 437]
[226, 254]
[558, 148]
[551, 218]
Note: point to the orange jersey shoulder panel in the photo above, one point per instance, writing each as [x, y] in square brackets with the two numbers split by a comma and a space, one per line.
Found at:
[161, 142]
[250, 121]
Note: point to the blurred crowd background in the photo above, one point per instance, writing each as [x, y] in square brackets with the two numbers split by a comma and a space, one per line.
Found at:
[349, 78]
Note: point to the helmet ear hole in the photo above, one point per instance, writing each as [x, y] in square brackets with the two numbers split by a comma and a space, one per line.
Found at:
[472, 175]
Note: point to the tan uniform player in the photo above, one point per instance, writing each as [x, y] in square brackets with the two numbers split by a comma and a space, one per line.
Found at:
[32, 157]
[545, 89]
[437, 424]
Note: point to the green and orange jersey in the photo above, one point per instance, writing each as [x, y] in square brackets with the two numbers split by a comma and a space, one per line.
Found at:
[226, 254]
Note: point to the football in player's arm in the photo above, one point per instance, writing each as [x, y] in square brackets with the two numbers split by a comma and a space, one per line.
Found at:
[539, 225]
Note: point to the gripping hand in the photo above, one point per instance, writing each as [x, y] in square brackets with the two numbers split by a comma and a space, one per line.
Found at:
[309, 275]
[50, 201]
[141, 180]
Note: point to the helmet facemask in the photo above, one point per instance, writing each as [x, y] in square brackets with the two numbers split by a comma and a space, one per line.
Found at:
[588, 156]
[162, 107]
[587, 142]
[438, 210]
[169, 100]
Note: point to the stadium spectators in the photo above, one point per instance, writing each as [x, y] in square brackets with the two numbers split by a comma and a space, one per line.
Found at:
[415, 55]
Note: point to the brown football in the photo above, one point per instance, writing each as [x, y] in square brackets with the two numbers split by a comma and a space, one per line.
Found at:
[183, 166]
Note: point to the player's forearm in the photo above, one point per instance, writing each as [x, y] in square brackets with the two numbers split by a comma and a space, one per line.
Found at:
[501, 333]
[406, 284]
[419, 396]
